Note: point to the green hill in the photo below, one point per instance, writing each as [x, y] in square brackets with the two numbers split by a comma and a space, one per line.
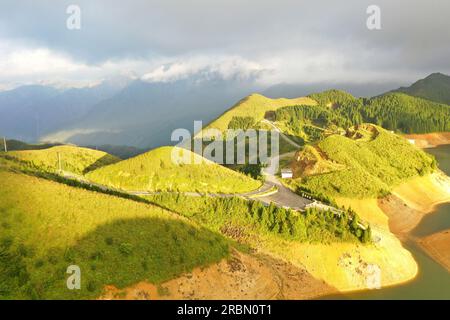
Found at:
[73, 159]
[46, 227]
[435, 87]
[252, 109]
[367, 162]
[155, 171]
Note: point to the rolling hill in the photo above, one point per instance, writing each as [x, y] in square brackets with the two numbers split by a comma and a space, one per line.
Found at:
[155, 171]
[15, 145]
[73, 159]
[368, 162]
[435, 87]
[46, 227]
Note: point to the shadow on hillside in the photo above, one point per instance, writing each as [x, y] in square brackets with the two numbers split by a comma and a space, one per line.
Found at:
[103, 161]
[123, 253]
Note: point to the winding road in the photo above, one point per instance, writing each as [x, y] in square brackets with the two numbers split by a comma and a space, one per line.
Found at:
[271, 191]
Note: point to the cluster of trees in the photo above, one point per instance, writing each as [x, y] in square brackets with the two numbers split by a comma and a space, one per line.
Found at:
[243, 123]
[312, 225]
[394, 111]
[252, 170]
[407, 114]
[332, 98]
[314, 194]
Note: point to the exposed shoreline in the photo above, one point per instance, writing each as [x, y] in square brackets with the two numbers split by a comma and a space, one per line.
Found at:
[437, 246]
[429, 140]
[308, 271]
[399, 213]
[410, 203]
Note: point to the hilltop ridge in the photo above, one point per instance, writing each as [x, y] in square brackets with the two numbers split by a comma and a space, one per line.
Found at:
[155, 171]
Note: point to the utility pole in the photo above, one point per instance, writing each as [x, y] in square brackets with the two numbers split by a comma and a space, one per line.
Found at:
[4, 143]
[59, 162]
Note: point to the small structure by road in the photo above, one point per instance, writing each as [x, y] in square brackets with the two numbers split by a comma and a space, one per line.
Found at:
[286, 173]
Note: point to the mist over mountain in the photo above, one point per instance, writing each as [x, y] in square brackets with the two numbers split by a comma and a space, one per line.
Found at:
[144, 114]
[29, 112]
[292, 90]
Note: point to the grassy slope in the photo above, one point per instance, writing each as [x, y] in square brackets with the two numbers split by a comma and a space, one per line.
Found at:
[255, 106]
[46, 226]
[372, 167]
[155, 171]
[73, 159]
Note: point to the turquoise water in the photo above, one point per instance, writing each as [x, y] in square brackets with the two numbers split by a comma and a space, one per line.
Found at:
[433, 281]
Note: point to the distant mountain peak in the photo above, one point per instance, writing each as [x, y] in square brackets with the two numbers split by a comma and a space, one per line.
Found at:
[437, 75]
[434, 87]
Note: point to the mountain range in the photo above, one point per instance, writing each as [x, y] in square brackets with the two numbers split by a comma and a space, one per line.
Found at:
[142, 114]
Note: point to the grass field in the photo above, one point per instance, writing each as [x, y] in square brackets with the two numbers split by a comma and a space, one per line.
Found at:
[46, 226]
[155, 171]
[73, 159]
[369, 166]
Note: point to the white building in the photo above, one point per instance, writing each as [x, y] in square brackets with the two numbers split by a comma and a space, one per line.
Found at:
[286, 174]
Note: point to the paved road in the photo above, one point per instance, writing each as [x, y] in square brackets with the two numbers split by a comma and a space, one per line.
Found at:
[285, 197]
[265, 188]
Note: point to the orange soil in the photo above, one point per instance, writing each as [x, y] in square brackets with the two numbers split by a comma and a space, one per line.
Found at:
[430, 140]
[437, 246]
[242, 276]
[402, 218]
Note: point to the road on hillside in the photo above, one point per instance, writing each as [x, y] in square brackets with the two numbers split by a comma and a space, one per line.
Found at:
[285, 137]
[285, 197]
[271, 191]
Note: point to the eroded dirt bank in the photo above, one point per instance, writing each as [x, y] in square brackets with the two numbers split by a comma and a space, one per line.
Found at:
[242, 276]
[430, 140]
[437, 246]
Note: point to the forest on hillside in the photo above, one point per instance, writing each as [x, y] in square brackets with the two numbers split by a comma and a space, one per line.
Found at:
[393, 111]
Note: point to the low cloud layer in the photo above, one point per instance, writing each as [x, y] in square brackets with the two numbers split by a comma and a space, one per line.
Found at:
[270, 41]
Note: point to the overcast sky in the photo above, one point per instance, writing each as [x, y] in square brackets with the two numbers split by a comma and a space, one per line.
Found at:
[272, 41]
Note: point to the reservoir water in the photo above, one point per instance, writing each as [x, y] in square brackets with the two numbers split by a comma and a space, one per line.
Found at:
[433, 281]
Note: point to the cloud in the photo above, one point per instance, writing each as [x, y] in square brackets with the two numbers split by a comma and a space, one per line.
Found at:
[24, 65]
[226, 67]
[275, 41]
